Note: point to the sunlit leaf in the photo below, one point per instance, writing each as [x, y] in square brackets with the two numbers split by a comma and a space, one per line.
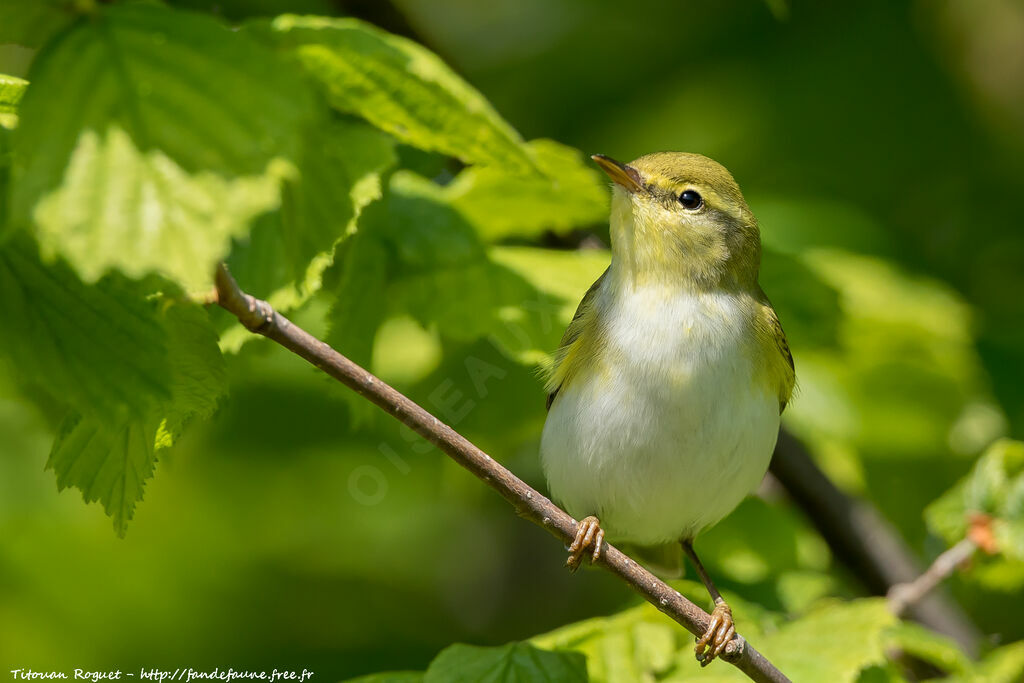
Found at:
[12, 89]
[141, 213]
[834, 642]
[903, 369]
[512, 663]
[288, 251]
[108, 462]
[1002, 665]
[402, 88]
[498, 204]
[149, 138]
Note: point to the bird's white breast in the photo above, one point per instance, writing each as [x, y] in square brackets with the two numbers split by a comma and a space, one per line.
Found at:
[666, 430]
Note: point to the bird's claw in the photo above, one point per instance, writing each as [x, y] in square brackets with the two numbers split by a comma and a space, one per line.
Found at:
[720, 631]
[588, 534]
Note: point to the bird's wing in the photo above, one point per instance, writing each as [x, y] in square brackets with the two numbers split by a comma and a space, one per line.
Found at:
[780, 359]
[563, 363]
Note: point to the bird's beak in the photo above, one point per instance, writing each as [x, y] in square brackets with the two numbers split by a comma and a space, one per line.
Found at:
[624, 175]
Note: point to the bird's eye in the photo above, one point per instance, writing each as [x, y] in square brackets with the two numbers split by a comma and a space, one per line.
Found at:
[691, 199]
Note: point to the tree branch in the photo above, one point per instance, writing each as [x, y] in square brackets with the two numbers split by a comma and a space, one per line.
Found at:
[904, 595]
[259, 317]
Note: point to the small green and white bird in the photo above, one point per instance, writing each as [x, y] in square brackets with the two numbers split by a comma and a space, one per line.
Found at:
[666, 392]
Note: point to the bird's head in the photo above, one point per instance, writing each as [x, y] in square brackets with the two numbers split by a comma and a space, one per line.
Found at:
[681, 219]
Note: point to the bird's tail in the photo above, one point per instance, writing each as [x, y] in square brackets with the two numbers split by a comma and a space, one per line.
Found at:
[664, 561]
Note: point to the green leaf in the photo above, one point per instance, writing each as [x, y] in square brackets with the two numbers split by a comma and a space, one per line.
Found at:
[288, 251]
[834, 642]
[520, 297]
[149, 138]
[512, 663]
[110, 461]
[1002, 665]
[808, 306]
[149, 215]
[413, 250]
[342, 166]
[882, 673]
[635, 645]
[642, 644]
[12, 89]
[902, 370]
[198, 373]
[571, 194]
[355, 316]
[531, 328]
[390, 677]
[994, 487]
[102, 347]
[928, 646]
[400, 87]
[358, 310]
[5, 176]
[32, 22]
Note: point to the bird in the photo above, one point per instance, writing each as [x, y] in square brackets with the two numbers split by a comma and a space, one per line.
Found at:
[666, 392]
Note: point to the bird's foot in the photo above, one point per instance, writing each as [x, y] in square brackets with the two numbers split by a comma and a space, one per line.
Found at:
[720, 632]
[588, 534]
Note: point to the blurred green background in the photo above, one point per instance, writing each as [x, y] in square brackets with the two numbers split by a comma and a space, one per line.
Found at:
[879, 143]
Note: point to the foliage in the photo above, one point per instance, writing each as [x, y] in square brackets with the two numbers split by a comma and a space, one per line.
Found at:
[987, 505]
[639, 644]
[400, 87]
[360, 182]
[507, 664]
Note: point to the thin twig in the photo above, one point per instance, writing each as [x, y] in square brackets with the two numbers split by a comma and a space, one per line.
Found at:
[903, 595]
[259, 317]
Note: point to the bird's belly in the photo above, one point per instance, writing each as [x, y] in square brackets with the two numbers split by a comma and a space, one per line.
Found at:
[660, 450]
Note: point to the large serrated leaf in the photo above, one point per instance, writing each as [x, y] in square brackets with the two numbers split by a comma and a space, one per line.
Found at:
[500, 205]
[512, 663]
[198, 373]
[339, 174]
[835, 642]
[107, 462]
[110, 461]
[149, 137]
[101, 347]
[140, 213]
[402, 88]
[641, 644]
[445, 277]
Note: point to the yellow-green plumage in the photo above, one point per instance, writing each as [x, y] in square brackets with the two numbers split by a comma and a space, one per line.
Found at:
[666, 390]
